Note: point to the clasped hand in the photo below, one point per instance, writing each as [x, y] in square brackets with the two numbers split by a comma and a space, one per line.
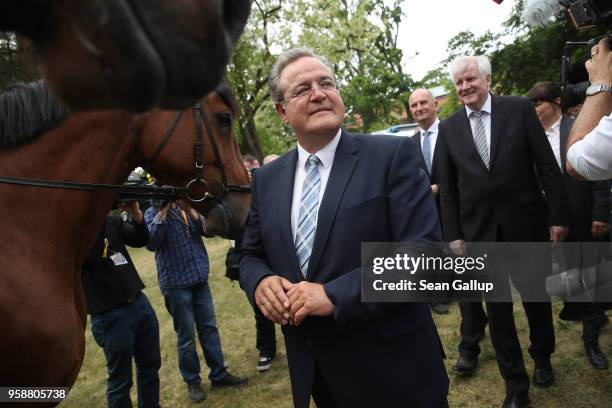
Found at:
[284, 302]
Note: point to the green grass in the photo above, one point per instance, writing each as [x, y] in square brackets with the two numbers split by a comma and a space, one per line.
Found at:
[577, 385]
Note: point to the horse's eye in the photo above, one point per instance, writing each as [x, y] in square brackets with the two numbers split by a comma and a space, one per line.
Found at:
[224, 119]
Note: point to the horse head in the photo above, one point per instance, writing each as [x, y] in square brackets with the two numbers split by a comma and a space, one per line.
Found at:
[217, 181]
[129, 54]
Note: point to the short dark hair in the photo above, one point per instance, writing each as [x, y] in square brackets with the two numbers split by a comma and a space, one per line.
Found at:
[544, 92]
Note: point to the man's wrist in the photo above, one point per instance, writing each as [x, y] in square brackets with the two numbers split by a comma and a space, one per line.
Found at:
[597, 87]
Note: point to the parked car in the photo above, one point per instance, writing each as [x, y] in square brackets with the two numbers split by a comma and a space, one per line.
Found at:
[405, 129]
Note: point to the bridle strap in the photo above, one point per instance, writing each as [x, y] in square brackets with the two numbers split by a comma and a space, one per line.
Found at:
[149, 161]
[154, 192]
[215, 148]
[198, 147]
[127, 191]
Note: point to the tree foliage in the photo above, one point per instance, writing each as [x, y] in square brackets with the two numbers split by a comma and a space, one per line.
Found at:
[14, 63]
[359, 38]
[532, 55]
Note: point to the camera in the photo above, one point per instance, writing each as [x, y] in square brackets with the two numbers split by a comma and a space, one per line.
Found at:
[134, 179]
[589, 13]
[574, 76]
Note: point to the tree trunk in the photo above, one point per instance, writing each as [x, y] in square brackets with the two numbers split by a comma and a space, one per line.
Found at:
[251, 138]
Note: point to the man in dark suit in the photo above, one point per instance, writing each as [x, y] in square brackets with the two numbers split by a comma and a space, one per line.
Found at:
[489, 151]
[311, 210]
[588, 202]
[423, 107]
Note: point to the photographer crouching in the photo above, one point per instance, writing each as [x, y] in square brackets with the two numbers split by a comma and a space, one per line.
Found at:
[589, 154]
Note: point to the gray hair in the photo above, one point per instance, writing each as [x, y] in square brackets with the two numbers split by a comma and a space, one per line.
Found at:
[281, 63]
[459, 64]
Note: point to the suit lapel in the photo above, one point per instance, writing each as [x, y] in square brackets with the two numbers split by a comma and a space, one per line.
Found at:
[434, 161]
[564, 130]
[341, 171]
[285, 184]
[495, 127]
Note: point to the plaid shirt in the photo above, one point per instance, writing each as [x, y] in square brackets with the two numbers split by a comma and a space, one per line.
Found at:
[180, 254]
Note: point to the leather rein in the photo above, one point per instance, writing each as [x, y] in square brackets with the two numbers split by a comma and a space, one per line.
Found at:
[157, 192]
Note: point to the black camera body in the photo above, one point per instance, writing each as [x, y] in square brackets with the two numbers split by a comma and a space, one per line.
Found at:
[134, 179]
[589, 13]
[574, 76]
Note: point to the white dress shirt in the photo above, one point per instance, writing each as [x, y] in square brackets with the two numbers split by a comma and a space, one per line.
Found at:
[554, 138]
[433, 137]
[486, 120]
[326, 155]
[591, 157]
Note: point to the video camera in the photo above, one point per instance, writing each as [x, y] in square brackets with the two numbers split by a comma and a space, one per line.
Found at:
[589, 13]
[574, 76]
[583, 14]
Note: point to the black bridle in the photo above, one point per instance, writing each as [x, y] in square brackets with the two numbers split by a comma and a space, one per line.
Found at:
[157, 192]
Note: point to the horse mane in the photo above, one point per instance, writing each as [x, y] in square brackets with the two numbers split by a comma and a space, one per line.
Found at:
[26, 111]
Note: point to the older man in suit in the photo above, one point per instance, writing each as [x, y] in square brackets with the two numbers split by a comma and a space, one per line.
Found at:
[489, 152]
[311, 210]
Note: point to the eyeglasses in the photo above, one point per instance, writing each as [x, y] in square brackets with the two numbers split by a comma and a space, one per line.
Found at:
[325, 86]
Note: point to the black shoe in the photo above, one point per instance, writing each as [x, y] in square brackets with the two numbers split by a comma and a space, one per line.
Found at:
[597, 358]
[229, 381]
[465, 366]
[543, 376]
[516, 400]
[439, 308]
[264, 363]
[196, 393]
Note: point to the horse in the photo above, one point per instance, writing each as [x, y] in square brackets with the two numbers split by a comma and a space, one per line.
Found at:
[129, 54]
[47, 231]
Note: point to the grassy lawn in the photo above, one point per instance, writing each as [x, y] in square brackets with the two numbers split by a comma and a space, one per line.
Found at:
[577, 385]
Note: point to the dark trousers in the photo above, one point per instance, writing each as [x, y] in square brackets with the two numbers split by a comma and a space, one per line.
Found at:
[266, 336]
[126, 332]
[591, 328]
[472, 328]
[321, 394]
[506, 343]
[539, 314]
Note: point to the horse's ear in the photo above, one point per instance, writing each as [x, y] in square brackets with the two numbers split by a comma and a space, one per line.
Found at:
[280, 109]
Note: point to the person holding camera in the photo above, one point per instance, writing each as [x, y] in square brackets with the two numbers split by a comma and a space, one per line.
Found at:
[589, 153]
[123, 322]
[182, 267]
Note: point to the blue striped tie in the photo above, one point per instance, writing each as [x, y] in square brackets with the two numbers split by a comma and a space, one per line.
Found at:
[427, 149]
[307, 220]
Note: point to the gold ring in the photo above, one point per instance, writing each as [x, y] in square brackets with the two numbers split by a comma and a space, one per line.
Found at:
[595, 52]
[266, 300]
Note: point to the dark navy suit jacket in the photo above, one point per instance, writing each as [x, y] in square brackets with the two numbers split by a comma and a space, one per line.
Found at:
[370, 354]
